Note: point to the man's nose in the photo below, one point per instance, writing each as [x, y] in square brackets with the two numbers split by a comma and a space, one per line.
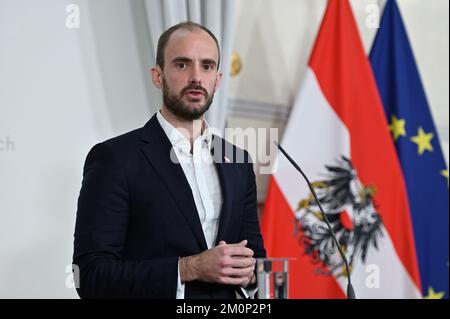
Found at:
[195, 76]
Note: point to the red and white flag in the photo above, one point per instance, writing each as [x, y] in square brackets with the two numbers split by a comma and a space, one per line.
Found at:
[338, 134]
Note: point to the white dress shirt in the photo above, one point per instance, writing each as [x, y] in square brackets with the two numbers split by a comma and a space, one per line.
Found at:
[201, 174]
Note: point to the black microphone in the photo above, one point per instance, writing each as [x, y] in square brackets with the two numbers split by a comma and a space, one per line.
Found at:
[350, 291]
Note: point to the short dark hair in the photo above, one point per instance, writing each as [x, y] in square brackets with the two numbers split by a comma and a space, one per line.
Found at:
[165, 36]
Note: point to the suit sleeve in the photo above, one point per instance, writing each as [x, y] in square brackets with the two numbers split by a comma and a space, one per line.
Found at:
[250, 225]
[100, 233]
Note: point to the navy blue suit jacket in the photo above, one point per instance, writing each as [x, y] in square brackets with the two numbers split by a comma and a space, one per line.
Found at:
[136, 216]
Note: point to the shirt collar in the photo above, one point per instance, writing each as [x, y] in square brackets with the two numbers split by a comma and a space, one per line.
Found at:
[177, 139]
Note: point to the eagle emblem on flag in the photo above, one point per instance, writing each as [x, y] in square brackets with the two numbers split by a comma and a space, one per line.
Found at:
[350, 208]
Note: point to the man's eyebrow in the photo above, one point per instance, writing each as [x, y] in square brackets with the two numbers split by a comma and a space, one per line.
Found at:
[209, 61]
[181, 59]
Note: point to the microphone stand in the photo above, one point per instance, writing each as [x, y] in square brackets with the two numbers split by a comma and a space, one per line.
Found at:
[350, 290]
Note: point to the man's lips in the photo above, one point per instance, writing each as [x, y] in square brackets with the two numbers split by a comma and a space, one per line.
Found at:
[194, 93]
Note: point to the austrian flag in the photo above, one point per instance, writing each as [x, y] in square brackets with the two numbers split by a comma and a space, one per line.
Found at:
[339, 135]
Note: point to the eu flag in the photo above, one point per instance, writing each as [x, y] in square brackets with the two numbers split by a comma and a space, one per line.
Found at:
[418, 148]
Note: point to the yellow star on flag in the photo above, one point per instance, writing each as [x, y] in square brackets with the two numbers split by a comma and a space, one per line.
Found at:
[433, 294]
[397, 127]
[423, 141]
[444, 173]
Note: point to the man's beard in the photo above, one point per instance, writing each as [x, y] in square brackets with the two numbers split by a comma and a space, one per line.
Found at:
[179, 108]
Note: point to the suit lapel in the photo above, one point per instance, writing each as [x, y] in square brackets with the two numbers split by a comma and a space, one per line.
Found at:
[157, 149]
[224, 170]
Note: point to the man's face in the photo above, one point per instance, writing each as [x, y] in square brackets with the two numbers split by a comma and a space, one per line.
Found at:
[190, 76]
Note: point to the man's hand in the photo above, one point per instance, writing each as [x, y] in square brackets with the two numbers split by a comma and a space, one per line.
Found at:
[228, 264]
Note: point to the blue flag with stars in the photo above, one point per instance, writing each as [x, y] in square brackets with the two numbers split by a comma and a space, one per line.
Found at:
[418, 148]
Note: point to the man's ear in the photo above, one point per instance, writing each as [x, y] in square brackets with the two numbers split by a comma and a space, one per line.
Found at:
[157, 76]
[218, 80]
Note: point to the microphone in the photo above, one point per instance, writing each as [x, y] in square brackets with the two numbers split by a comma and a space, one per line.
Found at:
[350, 290]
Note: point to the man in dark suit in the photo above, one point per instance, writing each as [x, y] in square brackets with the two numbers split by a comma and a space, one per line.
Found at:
[169, 210]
